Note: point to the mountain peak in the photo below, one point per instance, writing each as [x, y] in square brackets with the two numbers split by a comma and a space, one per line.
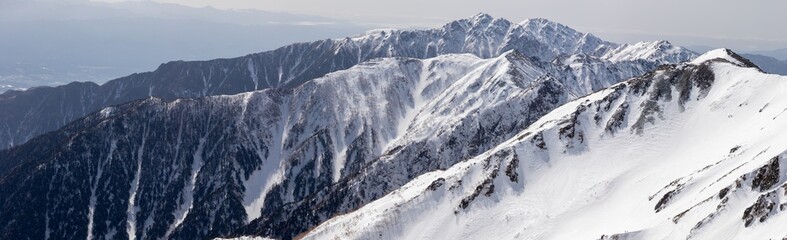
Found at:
[720, 53]
[540, 22]
[536, 20]
[724, 54]
[481, 17]
[543, 26]
[480, 20]
[663, 43]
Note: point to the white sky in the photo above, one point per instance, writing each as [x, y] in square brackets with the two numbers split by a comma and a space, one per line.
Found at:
[745, 25]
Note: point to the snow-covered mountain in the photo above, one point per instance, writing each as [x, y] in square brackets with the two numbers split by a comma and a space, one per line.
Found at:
[282, 145]
[337, 125]
[39, 110]
[689, 151]
[200, 168]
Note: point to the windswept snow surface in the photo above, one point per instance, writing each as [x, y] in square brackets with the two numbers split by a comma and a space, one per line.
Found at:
[694, 151]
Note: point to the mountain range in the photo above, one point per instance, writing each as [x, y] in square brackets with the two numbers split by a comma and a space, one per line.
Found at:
[768, 64]
[171, 166]
[39, 110]
[479, 128]
[54, 42]
[776, 53]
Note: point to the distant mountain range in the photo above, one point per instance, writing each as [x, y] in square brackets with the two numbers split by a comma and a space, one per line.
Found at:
[50, 43]
[276, 143]
[778, 53]
[768, 64]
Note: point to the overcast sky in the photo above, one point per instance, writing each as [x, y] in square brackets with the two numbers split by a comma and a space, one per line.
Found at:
[743, 25]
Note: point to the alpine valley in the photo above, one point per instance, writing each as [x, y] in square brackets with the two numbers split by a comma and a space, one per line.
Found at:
[482, 127]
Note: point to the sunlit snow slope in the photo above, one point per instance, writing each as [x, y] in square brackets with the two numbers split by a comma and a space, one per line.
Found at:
[694, 151]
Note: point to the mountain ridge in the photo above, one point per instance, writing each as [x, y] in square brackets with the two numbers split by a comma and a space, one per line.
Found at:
[274, 147]
[597, 166]
[47, 109]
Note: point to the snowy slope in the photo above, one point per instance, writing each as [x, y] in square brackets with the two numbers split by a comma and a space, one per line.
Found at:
[687, 151]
